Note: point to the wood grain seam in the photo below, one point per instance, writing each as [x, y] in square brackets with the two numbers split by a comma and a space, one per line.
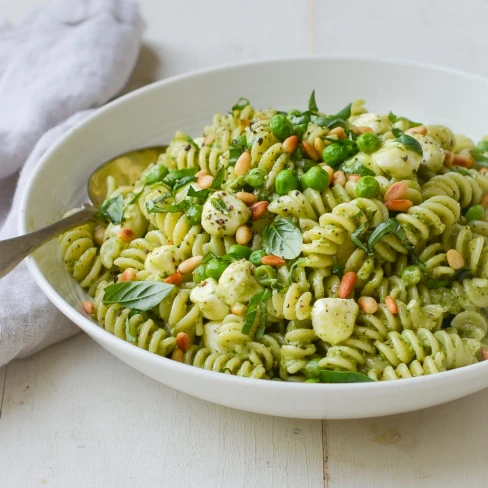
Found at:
[325, 455]
[3, 389]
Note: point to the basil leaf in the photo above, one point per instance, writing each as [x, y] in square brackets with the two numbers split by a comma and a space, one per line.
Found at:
[345, 113]
[192, 142]
[397, 132]
[282, 238]
[355, 237]
[219, 204]
[433, 284]
[410, 142]
[241, 103]
[112, 209]
[176, 175]
[137, 195]
[461, 171]
[389, 226]
[312, 104]
[393, 118]
[173, 208]
[355, 167]
[202, 194]
[263, 296]
[328, 376]
[478, 155]
[330, 122]
[219, 179]
[263, 315]
[184, 181]
[235, 150]
[142, 295]
[128, 333]
[299, 118]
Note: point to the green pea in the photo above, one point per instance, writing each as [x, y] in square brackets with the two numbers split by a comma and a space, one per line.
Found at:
[156, 173]
[312, 369]
[243, 252]
[200, 273]
[474, 213]
[335, 154]
[256, 177]
[315, 178]
[256, 256]
[281, 127]
[368, 142]
[265, 275]
[194, 215]
[286, 181]
[367, 187]
[215, 268]
[411, 275]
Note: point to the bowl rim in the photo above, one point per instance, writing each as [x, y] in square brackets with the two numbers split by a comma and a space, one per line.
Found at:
[84, 323]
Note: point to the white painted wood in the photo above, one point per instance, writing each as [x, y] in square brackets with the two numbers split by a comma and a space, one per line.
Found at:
[80, 417]
[434, 448]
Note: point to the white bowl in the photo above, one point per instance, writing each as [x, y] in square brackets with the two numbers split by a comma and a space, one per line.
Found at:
[153, 114]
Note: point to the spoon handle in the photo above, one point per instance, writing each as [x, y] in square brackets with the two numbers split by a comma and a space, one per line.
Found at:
[13, 251]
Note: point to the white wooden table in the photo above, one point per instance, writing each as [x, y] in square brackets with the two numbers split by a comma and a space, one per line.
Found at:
[74, 416]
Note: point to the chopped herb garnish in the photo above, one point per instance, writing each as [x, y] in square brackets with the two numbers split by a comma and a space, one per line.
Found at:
[142, 295]
[355, 237]
[241, 103]
[235, 150]
[220, 205]
[394, 118]
[255, 301]
[411, 143]
[312, 104]
[201, 194]
[192, 142]
[219, 179]
[112, 209]
[152, 206]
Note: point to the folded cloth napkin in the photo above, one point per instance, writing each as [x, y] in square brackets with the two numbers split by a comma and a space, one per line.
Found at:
[63, 60]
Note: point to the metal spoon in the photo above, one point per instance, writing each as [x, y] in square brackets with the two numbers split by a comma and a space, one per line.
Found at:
[125, 168]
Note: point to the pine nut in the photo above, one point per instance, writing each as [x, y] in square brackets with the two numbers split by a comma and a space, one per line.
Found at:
[347, 284]
[205, 181]
[464, 161]
[319, 145]
[202, 172]
[178, 355]
[354, 177]
[398, 205]
[448, 159]
[362, 129]
[128, 275]
[248, 198]
[339, 132]
[99, 235]
[175, 279]
[290, 144]
[272, 260]
[391, 304]
[243, 164]
[397, 191]
[330, 172]
[484, 353]
[258, 210]
[421, 129]
[455, 259]
[190, 264]
[88, 307]
[239, 310]
[339, 178]
[484, 200]
[483, 171]
[368, 305]
[183, 341]
[311, 151]
[208, 139]
[243, 235]
[126, 235]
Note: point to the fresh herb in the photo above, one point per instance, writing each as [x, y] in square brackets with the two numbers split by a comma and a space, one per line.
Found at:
[433, 284]
[461, 171]
[355, 238]
[180, 177]
[410, 142]
[192, 142]
[130, 334]
[345, 113]
[355, 167]
[394, 118]
[478, 155]
[338, 269]
[312, 104]
[137, 195]
[328, 376]
[220, 205]
[236, 148]
[152, 207]
[297, 263]
[397, 132]
[142, 295]
[241, 103]
[184, 181]
[282, 238]
[112, 209]
[201, 194]
[219, 179]
[256, 301]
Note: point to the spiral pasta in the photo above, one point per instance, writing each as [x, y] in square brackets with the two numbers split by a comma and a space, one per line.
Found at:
[280, 245]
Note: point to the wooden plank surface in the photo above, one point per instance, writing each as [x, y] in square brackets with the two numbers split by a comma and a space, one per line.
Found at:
[79, 413]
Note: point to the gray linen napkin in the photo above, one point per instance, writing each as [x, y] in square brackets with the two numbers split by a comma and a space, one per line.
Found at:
[61, 61]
